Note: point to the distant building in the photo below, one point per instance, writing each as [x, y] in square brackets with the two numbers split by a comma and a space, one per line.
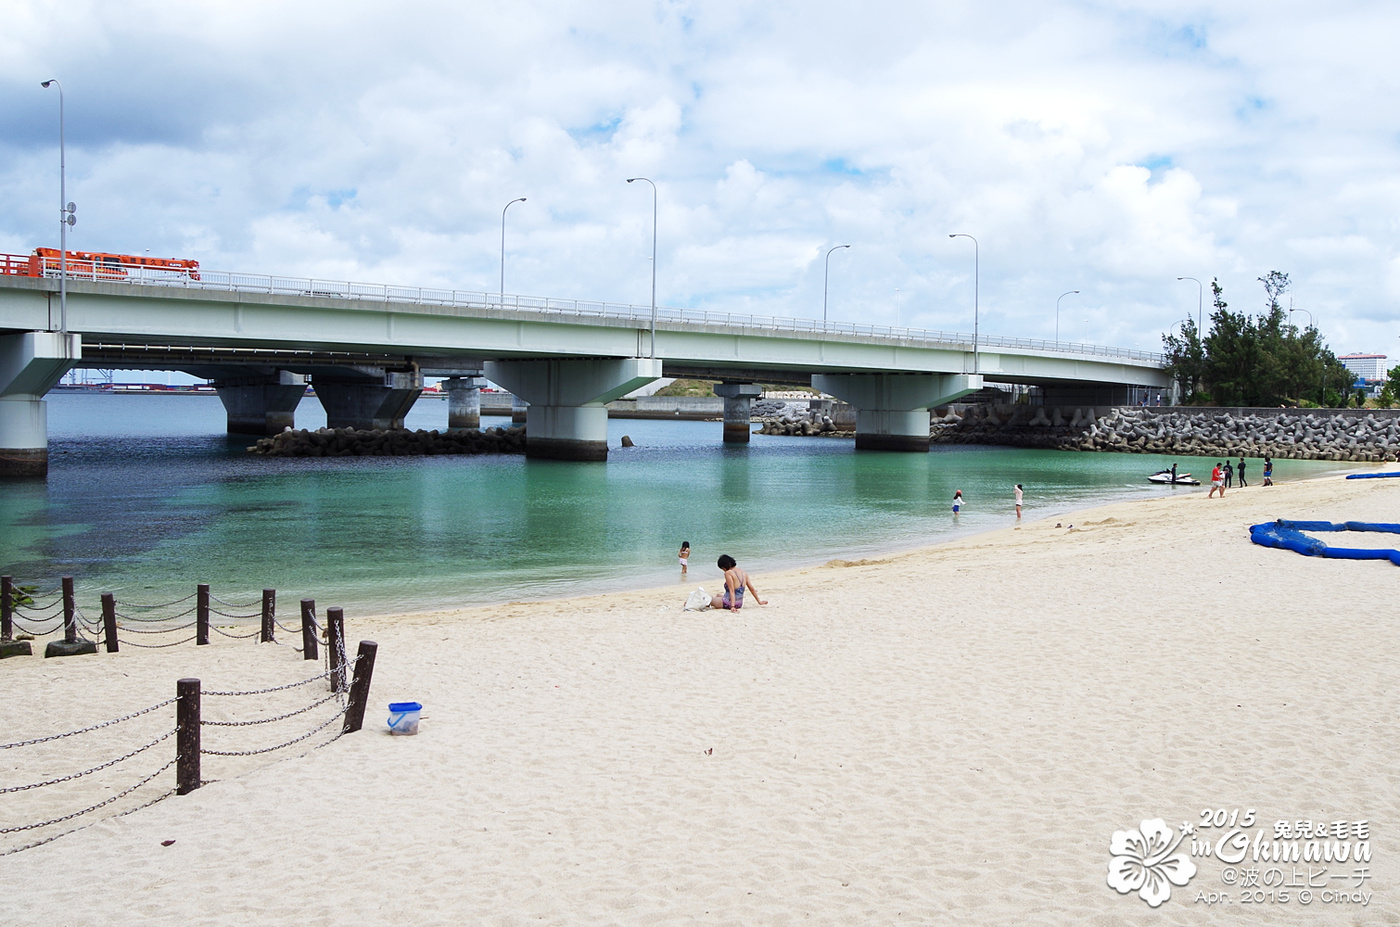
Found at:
[1368, 368]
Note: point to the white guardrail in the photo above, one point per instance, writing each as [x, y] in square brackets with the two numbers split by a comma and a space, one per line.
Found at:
[439, 299]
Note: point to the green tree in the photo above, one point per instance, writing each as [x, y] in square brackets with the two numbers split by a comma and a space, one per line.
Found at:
[1256, 360]
[1390, 391]
[1232, 352]
[1186, 359]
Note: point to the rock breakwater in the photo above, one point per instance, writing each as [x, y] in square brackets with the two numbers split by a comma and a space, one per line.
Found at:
[791, 419]
[351, 442]
[1301, 434]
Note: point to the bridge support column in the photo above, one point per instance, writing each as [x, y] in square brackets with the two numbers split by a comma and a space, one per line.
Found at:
[738, 406]
[30, 364]
[463, 402]
[367, 402]
[262, 403]
[892, 408]
[518, 409]
[567, 418]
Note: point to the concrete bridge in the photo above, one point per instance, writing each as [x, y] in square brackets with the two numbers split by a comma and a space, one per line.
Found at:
[366, 349]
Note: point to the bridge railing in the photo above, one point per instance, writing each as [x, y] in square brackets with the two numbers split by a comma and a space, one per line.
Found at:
[447, 301]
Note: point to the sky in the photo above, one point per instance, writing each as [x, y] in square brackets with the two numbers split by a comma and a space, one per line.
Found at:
[1104, 146]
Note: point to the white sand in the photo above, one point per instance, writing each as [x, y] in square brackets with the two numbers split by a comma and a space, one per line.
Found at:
[945, 736]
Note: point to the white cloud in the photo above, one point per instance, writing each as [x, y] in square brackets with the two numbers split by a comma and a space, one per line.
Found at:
[1106, 147]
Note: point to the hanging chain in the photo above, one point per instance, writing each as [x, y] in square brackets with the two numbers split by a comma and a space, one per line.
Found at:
[79, 775]
[294, 740]
[69, 817]
[290, 714]
[95, 727]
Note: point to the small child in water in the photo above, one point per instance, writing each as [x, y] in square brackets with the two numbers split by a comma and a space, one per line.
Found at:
[684, 556]
[957, 501]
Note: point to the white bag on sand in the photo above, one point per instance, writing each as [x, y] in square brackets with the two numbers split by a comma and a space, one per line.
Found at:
[697, 601]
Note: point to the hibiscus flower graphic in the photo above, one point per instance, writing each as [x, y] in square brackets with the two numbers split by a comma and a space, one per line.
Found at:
[1143, 861]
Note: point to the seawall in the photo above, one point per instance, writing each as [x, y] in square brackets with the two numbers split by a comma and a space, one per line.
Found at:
[1300, 434]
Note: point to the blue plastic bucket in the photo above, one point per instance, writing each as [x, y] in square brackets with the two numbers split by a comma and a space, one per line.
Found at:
[403, 717]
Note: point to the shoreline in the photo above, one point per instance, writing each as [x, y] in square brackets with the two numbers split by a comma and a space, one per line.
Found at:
[948, 734]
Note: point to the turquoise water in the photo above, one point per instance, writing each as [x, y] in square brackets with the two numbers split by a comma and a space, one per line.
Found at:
[147, 496]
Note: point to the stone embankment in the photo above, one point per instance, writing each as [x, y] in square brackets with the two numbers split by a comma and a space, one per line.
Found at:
[350, 442]
[785, 418]
[1303, 434]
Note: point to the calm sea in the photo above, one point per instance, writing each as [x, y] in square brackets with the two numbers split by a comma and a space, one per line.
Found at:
[147, 497]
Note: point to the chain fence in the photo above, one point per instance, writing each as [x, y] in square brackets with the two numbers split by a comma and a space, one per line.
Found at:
[44, 778]
[30, 615]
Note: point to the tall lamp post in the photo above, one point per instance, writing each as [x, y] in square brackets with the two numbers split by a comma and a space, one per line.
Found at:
[503, 246]
[1057, 313]
[653, 260]
[1200, 305]
[826, 275]
[66, 217]
[976, 285]
[1322, 381]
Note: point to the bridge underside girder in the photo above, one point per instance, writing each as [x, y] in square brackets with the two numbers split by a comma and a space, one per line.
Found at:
[892, 409]
[567, 418]
[30, 364]
[375, 401]
[463, 402]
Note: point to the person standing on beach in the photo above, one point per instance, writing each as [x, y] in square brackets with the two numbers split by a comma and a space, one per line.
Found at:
[1019, 494]
[1217, 482]
[684, 556]
[735, 582]
[957, 502]
[1240, 469]
[1268, 471]
[1229, 473]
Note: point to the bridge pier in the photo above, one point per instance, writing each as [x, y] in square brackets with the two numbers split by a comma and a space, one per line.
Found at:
[463, 402]
[368, 401]
[263, 402]
[892, 408]
[30, 364]
[518, 409]
[738, 409]
[567, 418]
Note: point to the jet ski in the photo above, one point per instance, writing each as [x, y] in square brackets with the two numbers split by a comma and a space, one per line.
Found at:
[1165, 477]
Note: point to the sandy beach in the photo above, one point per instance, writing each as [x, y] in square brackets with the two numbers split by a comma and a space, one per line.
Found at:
[945, 736]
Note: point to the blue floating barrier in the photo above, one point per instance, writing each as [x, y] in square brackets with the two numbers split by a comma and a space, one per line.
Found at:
[1285, 534]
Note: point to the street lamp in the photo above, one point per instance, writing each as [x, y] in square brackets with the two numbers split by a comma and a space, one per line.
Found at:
[896, 308]
[1057, 313]
[503, 247]
[826, 274]
[1200, 305]
[65, 215]
[1322, 384]
[653, 260]
[976, 284]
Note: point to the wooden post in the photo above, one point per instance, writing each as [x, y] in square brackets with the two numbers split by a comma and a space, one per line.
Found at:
[7, 630]
[187, 740]
[359, 688]
[201, 614]
[70, 623]
[335, 643]
[109, 620]
[269, 614]
[309, 649]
